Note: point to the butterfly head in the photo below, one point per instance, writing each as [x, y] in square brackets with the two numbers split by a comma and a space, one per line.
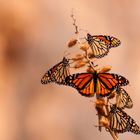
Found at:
[65, 61]
[89, 38]
[113, 108]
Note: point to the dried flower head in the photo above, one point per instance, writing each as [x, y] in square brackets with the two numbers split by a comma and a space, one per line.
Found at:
[105, 69]
[72, 43]
[79, 64]
[100, 102]
[91, 55]
[100, 106]
[90, 70]
[104, 121]
[78, 57]
[84, 46]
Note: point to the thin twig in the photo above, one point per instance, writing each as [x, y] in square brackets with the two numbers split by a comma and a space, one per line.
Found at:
[74, 23]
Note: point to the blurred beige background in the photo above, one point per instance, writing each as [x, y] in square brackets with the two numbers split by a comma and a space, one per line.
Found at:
[33, 37]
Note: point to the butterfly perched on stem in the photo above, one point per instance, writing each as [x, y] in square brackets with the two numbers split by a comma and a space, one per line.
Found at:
[123, 100]
[100, 44]
[102, 84]
[121, 122]
[57, 73]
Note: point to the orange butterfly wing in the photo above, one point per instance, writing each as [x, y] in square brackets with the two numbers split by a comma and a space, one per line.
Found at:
[88, 89]
[107, 82]
[108, 40]
[83, 82]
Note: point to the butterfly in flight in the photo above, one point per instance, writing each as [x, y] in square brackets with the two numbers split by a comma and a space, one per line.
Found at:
[57, 73]
[100, 44]
[121, 122]
[123, 100]
[102, 84]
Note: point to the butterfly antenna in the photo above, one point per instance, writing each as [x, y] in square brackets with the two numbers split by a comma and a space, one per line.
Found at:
[98, 126]
[91, 101]
[66, 53]
[94, 64]
[71, 62]
[110, 103]
[83, 30]
[81, 38]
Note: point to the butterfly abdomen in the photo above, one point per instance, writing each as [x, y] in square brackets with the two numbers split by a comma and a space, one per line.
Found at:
[95, 76]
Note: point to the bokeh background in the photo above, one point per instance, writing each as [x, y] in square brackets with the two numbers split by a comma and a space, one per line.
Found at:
[33, 37]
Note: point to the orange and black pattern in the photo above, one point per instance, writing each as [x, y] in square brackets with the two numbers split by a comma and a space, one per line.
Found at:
[123, 100]
[102, 84]
[121, 122]
[57, 73]
[100, 44]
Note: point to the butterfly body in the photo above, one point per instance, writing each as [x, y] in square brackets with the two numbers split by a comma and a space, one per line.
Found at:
[57, 73]
[100, 44]
[102, 84]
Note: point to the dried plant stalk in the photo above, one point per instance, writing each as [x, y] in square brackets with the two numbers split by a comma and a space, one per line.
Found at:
[74, 23]
[101, 105]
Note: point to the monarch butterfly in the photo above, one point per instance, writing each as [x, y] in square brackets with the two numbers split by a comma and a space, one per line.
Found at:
[100, 44]
[121, 122]
[123, 100]
[100, 83]
[57, 73]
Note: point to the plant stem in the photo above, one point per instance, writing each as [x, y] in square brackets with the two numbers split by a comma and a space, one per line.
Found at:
[89, 61]
[74, 23]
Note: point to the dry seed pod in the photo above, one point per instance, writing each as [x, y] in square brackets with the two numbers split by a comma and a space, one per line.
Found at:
[79, 64]
[72, 42]
[100, 102]
[91, 55]
[78, 57]
[104, 121]
[99, 105]
[90, 70]
[84, 46]
[105, 69]
[101, 111]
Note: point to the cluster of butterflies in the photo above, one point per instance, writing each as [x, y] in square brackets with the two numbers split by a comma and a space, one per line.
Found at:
[101, 84]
